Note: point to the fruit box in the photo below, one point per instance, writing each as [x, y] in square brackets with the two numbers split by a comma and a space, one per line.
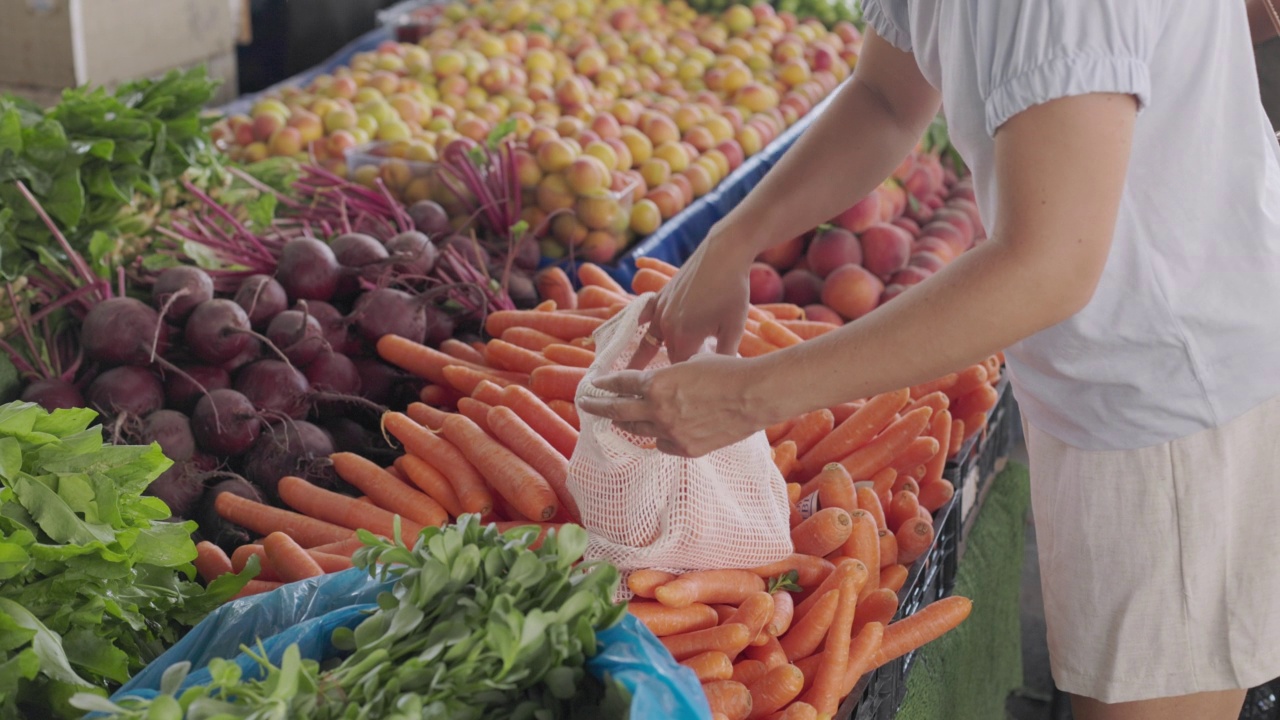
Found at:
[406, 178]
[66, 43]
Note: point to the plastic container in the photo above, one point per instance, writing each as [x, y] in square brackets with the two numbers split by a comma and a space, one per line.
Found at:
[406, 178]
[1262, 703]
[595, 229]
[411, 21]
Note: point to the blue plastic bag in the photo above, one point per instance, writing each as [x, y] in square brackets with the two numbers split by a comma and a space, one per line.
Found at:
[306, 613]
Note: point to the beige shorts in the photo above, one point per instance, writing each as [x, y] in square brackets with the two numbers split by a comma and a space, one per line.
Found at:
[1161, 566]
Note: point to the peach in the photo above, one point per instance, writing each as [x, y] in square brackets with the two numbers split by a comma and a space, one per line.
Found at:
[861, 215]
[540, 134]
[958, 219]
[700, 138]
[910, 275]
[964, 191]
[655, 171]
[267, 124]
[603, 152]
[568, 229]
[906, 223]
[885, 249]
[286, 141]
[606, 126]
[821, 313]
[661, 129]
[832, 248]
[766, 284]
[645, 217]
[600, 247]
[969, 208]
[784, 255]
[852, 291]
[587, 174]
[527, 169]
[555, 155]
[801, 287]
[554, 193]
[926, 260]
[570, 126]
[892, 291]
[936, 246]
[474, 128]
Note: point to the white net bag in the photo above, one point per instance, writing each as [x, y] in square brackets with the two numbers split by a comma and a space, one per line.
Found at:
[646, 509]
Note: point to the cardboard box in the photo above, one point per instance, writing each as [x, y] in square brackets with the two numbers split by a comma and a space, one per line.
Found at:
[65, 43]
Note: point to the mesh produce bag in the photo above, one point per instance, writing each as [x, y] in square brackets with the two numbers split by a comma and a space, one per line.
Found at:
[646, 509]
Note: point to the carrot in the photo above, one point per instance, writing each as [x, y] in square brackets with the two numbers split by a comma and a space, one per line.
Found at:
[784, 608]
[869, 501]
[438, 452]
[942, 384]
[884, 481]
[647, 281]
[592, 274]
[256, 587]
[810, 570]
[342, 510]
[904, 483]
[754, 612]
[475, 411]
[774, 332]
[438, 396]
[749, 671]
[546, 306]
[905, 506]
[939, 430]
[784, 457]
[464, 378]
[753, 345]
[552, 283]
[556, 382]
[981, 400]
[974, 424]
[864, 647]
[386, 491]
[825, 694]
[958, 436]
[832, 582]
[926, 515]
[663, 621]
[487, 392]
[710, 586]
[935, 495]
[240, 557]
[922, 627]
[528, 338]
[844, 411]
[729, 698]
[709, 666]
[462, 351]
[211, 562]
[936, 400]
[331, 563]
[783, 311]
[793, 492]
[543, 418]
[770, 653]
[810, 429]
[513, 478]
[775, 433]
[644, 582]
[918, 452]
[568, 355]
[290, 561]
[602, 314]
[893, 576]
[561, 325]
[566, 411]
[345, 548]
[967, 380]
[428, 363]
[519, 438]
[796, 516]
[648, 262]
[880, 606]
[796, 711]
[505, 356]
[993, 365]
[264, 520]
[822, 532]
[728, 639]
[864, 545]
[880, 452]
[431, 482]
[835, 488]
[808, 632]
[594, 297]
[914, 538]
[855, 432]
[808, 329]
[772, 692]
[888, 549]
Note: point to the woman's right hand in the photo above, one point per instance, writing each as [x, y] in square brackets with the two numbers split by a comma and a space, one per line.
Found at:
[708, 298]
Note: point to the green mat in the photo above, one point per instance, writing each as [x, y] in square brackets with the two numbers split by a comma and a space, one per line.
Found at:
[968, 673]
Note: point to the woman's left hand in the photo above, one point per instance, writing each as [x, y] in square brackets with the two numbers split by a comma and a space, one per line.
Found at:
[690, 408]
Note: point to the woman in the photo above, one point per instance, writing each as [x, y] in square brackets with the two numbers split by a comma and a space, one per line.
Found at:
[1132, 184]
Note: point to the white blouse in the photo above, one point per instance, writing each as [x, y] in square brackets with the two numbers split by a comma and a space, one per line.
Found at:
[1183, 333]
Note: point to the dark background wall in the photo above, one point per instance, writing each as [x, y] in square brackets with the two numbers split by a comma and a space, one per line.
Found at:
[1268, 56]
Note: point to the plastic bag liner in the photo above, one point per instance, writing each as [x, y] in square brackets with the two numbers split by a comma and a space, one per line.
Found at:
[646, 509]
[306, 613]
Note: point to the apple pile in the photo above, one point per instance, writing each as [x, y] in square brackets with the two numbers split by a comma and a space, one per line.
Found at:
[625, 112]
[904, 231]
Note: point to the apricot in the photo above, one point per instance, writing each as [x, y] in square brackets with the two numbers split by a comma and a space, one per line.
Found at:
[646, 218]
[587, 174]
[554, 194]
[555, 155]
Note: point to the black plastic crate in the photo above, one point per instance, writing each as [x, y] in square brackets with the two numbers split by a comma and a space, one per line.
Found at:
[1262, 703]
[979, 455]
[879, 693]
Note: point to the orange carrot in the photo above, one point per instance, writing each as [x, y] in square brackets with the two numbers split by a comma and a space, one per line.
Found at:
[543, 418]
[710, 665]
[552, 283]
[569, 355]
[904, 483]
[793, 492]
[939, 430]
[528, 338]
[488, 393]
[863, 649]
[832, 582]
[835, 488]
[884, 481]
[754, 612]
[825, 694]
[808, 329]
[810, 429]
[795, 711]
[648, 262]
[556, 382]
[918, 452]
[905, 506]
[462, 351]
[914, 537]
[476, 411]
[729, 698]
[855, 432]
[528, 445]
[728, 639]
[775, 433]
[784, 457]
[942, 384]
[545, 306]
[345, 548]
[566, 411]
[594, 297]
[504, 471]
[974, 424]
[822, 532]
[938, 401]
[880, 452]
[430, 481]
[592, 274]
[438, 452]
[844, 411]
[710, 586]
[647, 281]
[388, 492]
[342, 510]
[922, 627]
[561, 325]
[926, 515]
[880, 606]
[211, 562]
[783, 311]
[811, 570]
[796, 517]
[808, 632]
[770, 653]
[753, 345]
[256, 587]
[290, 561]
[864, 545]
[967, 380]
[749, 671]
[934, 495]
[425, 415]
[438, 396]
[772, 692]
[603, 313]
[505, 356]
[264, 520]
[869, 501]
[992, 365]
[888, 549]
[981, 400]
[465, 378]
[893, 576]
[784, 608]
[428, 363]
[331, 563]
[774, 332]
[663, 621]
[644, 582]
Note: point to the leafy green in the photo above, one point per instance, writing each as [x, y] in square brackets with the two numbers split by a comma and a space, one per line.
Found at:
[94, 582]
[477, 624]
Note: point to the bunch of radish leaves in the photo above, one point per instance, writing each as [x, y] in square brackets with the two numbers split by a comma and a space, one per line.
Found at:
[93, 583]
[477, 624]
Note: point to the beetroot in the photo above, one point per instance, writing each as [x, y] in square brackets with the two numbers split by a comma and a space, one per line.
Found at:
[356, 250]
[180, 393]
[413, 253]
[297, 448]
[379, 382]
[469, 249]
[440, 325]
[225, 423]
[120, 331]
[213, 528]
[334, 372]
[180, 488]
[335, 327]
[126, 390]
[275, 388]
[308, 269]
[172, 431]
[429, 217]
[218, 331]
[178, 290]
[262, 298]
[252, 352]
[521, 290]
[298, 335]
[53, 394]
[527, 254]
[387, 311]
